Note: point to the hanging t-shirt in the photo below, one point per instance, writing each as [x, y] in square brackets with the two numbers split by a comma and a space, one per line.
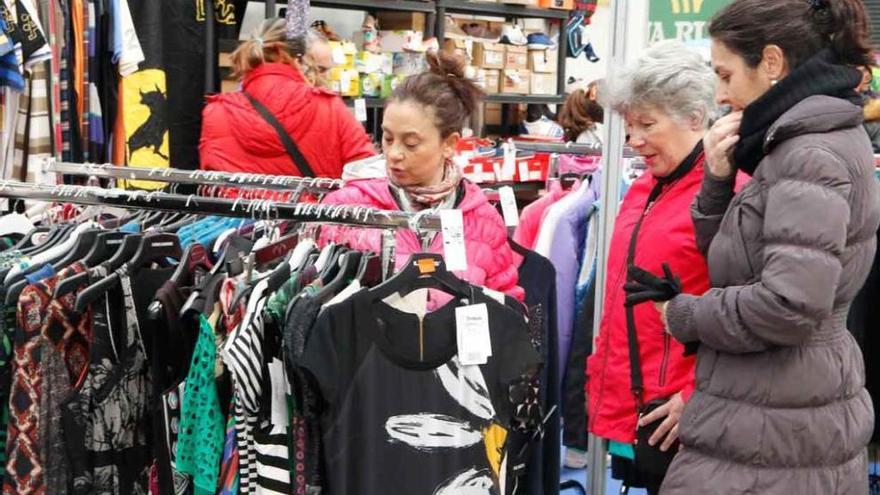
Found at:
[400, 413]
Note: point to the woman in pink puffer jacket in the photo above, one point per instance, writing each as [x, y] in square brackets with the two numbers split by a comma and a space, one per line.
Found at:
[421, 128]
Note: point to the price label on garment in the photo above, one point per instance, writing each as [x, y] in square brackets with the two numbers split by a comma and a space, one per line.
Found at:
[472, 334]
[360, 109]
[508, 206]
[452, 226]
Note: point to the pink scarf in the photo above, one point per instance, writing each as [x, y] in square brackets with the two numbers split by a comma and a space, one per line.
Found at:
[422, 197]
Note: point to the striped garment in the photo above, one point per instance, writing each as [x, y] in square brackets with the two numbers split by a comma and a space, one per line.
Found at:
[243, 356]
[273, 440]
[228, 482]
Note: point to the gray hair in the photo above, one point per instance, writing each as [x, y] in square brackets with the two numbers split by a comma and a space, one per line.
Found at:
[669, 77]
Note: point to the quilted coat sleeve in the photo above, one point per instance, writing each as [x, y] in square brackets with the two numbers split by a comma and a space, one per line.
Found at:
[710, 205]
[804, 231]
[354, 237]
[501, 273]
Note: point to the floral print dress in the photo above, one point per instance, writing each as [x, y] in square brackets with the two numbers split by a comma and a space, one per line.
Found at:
[108, 413]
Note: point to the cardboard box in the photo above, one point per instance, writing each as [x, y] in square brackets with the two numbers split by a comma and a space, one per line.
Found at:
[345, 82]
[543, 84]
[402, 21]
[516, 57]
[489, 55]
[557, 4]
[544, 61]
[460, 47]
[398, 41]
[492, 113]
[492, 81]
[408, 64]
[515, 81]
[534, 25]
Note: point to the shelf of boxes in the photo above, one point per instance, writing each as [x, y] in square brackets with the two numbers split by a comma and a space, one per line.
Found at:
[427, 7]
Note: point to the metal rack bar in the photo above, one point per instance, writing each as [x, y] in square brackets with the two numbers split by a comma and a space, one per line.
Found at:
[197, 177]
[567, 148]
[256, 209]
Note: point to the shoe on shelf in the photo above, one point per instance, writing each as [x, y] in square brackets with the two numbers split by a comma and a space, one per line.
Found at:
[540, 41]
[453, 30]
[513, 35]
[575, 458]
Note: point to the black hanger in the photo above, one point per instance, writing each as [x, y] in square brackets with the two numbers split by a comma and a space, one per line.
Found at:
[156, 247]
[331, 268]
[107, 244]
[194, 257]
[423, 271]
[370, 270]
[349, 264]
[28, 240]
[520, 250]
[85, 241]
[122, 252]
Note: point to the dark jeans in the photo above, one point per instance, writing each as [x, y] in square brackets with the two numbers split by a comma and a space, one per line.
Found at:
[574, 433]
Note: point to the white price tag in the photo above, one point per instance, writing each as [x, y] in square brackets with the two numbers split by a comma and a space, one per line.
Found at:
[452, 225]
[472, 332]
[508, 206]
[508, 169]
[524, 171]
[360, 109]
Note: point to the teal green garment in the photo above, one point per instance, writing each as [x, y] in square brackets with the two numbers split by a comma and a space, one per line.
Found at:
[624, 450]
[277, 303]
[200, 443]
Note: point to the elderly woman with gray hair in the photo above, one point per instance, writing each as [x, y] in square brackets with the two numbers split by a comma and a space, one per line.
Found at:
[638, 377]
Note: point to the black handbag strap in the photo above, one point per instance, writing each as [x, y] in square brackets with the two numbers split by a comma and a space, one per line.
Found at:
[298, 159]
[637, 385]
[635, 367]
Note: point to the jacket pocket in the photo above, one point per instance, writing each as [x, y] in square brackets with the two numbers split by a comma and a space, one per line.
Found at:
[665, 363]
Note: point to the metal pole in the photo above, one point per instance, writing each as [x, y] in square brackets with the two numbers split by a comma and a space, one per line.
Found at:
[612, 157]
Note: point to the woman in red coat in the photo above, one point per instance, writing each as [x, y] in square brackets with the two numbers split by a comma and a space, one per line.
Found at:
[666, 100]
[237, 138]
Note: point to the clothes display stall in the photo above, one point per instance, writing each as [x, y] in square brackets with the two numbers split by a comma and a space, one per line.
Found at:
[136, 363]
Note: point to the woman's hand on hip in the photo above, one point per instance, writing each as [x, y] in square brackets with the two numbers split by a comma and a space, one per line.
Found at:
[671, 411]
[718, 142]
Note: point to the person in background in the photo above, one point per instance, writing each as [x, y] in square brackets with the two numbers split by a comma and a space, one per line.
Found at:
[421, 126]
[667, 100]
[252, 130]
[540, 121]
[580, 117]
[780, 405]
[318, 60]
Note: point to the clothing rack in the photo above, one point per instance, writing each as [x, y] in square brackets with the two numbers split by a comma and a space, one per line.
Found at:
[195, 177]
[567, 148]
[239, 208]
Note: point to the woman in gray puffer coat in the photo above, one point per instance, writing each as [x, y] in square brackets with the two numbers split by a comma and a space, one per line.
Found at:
[780, 406]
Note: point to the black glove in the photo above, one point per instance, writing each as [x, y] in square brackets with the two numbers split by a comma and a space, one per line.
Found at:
[645, 286]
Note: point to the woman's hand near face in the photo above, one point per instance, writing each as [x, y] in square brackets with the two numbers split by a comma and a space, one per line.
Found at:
[718, 143]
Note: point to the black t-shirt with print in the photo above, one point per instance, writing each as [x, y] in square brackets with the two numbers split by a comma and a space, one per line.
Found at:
[400, 414]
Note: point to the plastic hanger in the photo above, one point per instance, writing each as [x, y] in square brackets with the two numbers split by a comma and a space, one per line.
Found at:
[349, 264]
[28, 240]
[370, 270]
[52, 253]
[423, 271]
[156, 247]
[112, 249]
[82, 245]
[194, 257]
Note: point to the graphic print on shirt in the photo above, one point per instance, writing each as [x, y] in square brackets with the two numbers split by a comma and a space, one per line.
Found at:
[429, 433]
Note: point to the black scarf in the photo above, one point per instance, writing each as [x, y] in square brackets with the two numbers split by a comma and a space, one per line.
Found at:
[820, 75]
